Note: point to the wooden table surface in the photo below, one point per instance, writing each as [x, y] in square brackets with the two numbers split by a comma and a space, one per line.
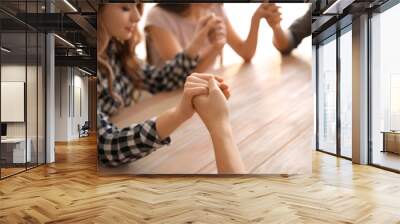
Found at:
[271, 115]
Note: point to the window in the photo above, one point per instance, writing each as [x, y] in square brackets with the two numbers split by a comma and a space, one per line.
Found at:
[327, 96]
[23, 77]
[395, 102]
[385, 89]
[330, 134]
[346, 92]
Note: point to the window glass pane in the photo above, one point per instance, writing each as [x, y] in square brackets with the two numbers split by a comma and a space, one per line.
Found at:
[314, 78]
[31, 97]
[386, 89]
[15, 150]
[346, 93]
[41, 98]
[327, 97]
[22, 85]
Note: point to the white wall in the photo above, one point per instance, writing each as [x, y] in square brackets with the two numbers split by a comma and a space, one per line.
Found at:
[12, 73]
[79, 117]
[69, 82]
[61, 103]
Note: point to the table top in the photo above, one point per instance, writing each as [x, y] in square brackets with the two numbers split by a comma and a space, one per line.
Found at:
[271, 112]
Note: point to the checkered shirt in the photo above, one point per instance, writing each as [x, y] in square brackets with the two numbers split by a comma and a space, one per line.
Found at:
[115, 145]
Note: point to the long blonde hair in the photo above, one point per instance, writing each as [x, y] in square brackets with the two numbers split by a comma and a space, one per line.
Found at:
[125, 51]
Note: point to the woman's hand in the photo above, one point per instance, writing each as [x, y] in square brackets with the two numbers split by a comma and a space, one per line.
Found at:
[212, 108]
[197, 84]
[202, 30]
[271, 13]
[217, 36]
[259, 13]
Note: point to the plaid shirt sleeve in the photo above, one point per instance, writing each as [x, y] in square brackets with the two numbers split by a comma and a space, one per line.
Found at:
[118, 146]
[171, 76]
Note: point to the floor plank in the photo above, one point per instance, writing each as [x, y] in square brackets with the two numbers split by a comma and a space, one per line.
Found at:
[70, 191]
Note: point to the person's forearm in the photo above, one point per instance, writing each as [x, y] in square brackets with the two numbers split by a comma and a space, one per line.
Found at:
[167, 122]
[194, 47]
[207, 58]
[281, 40]
[248, 48]
[227, 155]
[250, 45]
[192, 50]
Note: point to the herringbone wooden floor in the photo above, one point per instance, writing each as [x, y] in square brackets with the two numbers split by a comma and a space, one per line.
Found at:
[70, 191]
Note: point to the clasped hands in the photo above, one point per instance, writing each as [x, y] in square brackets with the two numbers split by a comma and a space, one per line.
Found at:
[207, 95]
[270, 12]
[209, 27]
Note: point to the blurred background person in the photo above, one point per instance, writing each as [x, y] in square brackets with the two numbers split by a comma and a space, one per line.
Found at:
[169, 28]
[285, 40]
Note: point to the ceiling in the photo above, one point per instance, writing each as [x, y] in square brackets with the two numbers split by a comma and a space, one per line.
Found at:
[72, 20]
[332, 15]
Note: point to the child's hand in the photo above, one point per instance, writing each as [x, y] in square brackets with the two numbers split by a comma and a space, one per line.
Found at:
[197, 84]
[212, 108]
[270, 12]
[217, 35]
[201, 32]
